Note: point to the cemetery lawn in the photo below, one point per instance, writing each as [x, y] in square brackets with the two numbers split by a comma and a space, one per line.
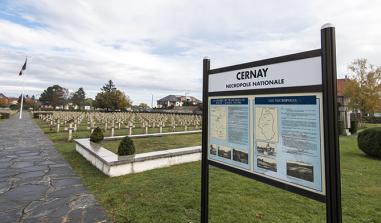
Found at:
[150, 144]
[173, 194]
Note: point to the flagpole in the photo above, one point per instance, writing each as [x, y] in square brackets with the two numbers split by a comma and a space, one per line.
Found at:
[22, 88]
[22, 98]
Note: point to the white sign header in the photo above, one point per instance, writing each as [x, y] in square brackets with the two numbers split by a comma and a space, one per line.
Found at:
[304, 72]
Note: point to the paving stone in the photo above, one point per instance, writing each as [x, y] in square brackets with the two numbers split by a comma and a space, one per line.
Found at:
[26, 193]
[32, 174]
[65, 192]
[46, 162]
[22, 164]
[53, 208]
[7, 205]
[4, 164]
[75, 216]
[66, 182]
[6, 173]
[35, 168]
[10, 216]
[36, 183]
[93, 214]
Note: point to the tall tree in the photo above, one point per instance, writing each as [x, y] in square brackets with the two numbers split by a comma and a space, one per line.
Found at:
[143, 106]
[54, 95]
[111, 99]
[108, 87]
[78, 97]
[4, 102]
[29, 102]
[88, 102]
[363, 87]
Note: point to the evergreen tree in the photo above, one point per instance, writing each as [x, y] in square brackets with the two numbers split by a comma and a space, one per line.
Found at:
[78, 97]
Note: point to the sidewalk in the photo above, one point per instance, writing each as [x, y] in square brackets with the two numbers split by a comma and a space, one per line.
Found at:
[36, 183]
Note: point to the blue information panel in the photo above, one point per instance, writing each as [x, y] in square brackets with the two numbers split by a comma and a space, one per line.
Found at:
[287, 139]
[229, 128]
[278, 137]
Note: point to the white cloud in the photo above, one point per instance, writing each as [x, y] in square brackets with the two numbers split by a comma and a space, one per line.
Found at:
[156, 47]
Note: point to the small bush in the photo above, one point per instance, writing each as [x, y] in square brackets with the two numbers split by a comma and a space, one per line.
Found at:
[14, 107]
[354, 127]
[369, 141]
[126, 147]
[4, 115]
[340, 125]
[97, 135]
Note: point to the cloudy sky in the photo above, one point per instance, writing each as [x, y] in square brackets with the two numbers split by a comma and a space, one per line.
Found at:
[156, 47]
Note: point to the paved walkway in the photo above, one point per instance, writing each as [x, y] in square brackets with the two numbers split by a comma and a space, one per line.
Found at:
[36, 183]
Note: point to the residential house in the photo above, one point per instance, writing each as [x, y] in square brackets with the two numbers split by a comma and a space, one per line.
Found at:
[344, 111]
[177, 101]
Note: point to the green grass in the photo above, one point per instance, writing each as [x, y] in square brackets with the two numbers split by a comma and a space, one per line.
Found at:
[370, 125]
[173, 194]
[150, 144]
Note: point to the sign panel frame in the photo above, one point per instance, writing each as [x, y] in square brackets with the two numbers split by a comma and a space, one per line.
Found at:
[330, 168]
[252, 165]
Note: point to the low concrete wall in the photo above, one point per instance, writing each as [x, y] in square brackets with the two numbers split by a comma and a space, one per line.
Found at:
[111, 138]
[113, 165]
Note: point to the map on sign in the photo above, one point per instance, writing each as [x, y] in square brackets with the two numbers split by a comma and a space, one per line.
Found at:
[266, 128]
[218, 116]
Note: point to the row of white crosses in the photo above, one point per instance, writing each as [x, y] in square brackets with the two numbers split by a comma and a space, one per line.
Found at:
[68, 120]
[143, 120]
[62, 119]
[120, 120]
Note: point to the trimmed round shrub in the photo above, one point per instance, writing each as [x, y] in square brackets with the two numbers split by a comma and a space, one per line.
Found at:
[354, 127]
[340, 125]
[126, 147]
[97, 135]
[369, 141]
[14, 107]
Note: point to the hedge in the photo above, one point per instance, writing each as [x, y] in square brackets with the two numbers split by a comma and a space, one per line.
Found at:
[340, 126]
[369, 141]
[354, 126]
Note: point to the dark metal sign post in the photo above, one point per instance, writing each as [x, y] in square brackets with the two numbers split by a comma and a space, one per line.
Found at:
[331, 196]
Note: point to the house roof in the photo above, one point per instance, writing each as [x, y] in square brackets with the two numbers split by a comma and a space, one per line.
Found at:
[171, 97]
[195, 99]
[341, 86]
[175, 98]
[2, 95]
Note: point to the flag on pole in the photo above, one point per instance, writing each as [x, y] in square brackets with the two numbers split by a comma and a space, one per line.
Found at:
[23, 67]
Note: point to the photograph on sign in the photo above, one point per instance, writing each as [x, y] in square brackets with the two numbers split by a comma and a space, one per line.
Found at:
[229, 131]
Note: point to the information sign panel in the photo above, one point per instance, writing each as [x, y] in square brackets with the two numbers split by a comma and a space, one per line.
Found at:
[275, 136]
[275, 121]
[229, 131]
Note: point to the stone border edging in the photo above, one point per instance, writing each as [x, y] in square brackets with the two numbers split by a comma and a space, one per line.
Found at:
[113, 165]
[110, 138]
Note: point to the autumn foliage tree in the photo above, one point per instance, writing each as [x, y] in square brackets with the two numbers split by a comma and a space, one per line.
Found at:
[4, 102]
[363, 87]
[111, 99]
[54, 95]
